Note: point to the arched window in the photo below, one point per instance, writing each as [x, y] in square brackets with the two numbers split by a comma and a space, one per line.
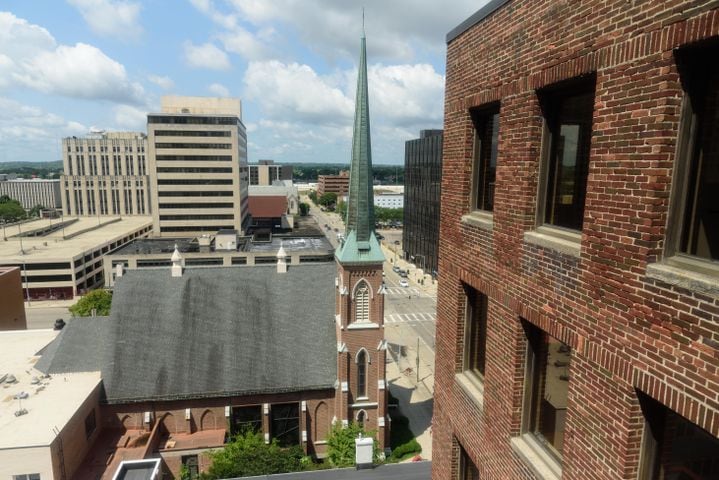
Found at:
[362, 373]
[362, 302]
[361, 418]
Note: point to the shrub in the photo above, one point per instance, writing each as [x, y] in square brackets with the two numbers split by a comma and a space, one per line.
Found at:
[341, 444]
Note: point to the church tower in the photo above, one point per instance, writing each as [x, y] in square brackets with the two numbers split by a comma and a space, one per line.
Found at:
[361, 349]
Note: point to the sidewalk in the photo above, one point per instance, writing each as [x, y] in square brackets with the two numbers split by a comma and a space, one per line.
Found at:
[415, 273]
[51, 303]
[415, 399]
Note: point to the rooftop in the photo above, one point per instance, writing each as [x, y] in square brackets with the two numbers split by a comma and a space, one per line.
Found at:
[51, 402]
[267, 206]
[213, 332]
[154, 246]
[475, 18]
[80, 235]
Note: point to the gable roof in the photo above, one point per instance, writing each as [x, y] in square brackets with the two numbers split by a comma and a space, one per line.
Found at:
[213, 332]
[267, 206]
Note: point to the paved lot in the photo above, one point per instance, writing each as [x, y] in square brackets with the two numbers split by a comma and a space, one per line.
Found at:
[403, 471]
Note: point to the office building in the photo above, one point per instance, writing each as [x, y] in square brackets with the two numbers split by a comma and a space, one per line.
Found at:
[579, 292]
[106, 174]
[266, 172]
[422, 187]
[338, 184]
[198, 166]
[62, 258]
[389, 200]
[12, 313]
[33, 192]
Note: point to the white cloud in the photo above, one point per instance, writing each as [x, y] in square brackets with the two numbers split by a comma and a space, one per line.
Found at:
[31, 58]
[130, 118]
[119, 19]
[245, 44]
[295, 91]
[219, 90]
[164, 82]
[206, 55]
[407, 94]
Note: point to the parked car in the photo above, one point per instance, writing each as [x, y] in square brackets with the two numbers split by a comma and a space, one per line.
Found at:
[404, 283]
[395, 269]
[403, 273]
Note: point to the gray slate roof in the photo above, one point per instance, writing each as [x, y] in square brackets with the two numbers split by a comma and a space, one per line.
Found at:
[212, 332]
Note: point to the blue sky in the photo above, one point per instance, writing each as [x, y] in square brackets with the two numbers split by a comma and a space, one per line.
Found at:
[69, 65]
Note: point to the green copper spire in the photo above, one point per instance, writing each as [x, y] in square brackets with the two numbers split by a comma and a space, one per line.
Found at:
[361, 245]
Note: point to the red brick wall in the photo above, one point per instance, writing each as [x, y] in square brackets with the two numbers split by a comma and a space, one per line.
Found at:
[627, 331]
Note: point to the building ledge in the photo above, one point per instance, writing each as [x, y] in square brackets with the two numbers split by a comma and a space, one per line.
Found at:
[536, 457]
[362, 326]
[561, 240]
[479, 219]
[472, 387]
[687, 272]
[365, 405]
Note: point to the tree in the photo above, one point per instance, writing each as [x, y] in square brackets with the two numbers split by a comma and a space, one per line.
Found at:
[304, 209]
[36, 211]
[11, 210]
[100, 300]
[341, 443]
[249, 455]
[327, 199]
[341, 209]
[313, 196]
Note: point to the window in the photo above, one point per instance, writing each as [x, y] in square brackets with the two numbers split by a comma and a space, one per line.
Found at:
[545, 389]
[695, 205]
[27, 476]
[362, 302]
[286, 424]
[362, 373]
[673, 447]
[246, 418]
[90, 424]
[484, 168]
[467, 469]
[475, 333]
[190, 463]
[568, 131]
[361, 418]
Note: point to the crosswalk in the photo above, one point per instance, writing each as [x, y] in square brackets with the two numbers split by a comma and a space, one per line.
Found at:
[413, 291]
[409, 317]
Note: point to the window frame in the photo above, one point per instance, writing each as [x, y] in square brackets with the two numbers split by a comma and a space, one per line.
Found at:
[294, 432]
[361, 299]
[474, 299]
[462, 463]
[362, 361]
[480, 117]
[550, 99]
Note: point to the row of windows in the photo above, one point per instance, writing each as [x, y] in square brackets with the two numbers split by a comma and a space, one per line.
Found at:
[228, 216]
[671, 444]
[220, 193]
[197, 205]
[192, 120]
[193, 158]
[568, 112]
[192, 133]
[194, 169]
[220, 146]
[194, 181]
[196, 228]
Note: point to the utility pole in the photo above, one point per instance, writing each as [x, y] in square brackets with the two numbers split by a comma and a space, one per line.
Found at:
[417, 361]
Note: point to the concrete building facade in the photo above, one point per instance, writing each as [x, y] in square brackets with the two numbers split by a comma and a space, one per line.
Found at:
[422, 191]
[266, 173]
[105, 174]
[338, 184]
[389, 200]
[31, 193]
[12, 313]
[198, 166]
[579, 293]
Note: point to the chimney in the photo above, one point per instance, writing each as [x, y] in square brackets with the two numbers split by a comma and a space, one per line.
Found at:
[176, 263]
[119, 270]
[282, 259]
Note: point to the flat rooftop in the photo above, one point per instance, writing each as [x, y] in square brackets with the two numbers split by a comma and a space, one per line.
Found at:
[154, 246]
[81, 234]
[52, 401]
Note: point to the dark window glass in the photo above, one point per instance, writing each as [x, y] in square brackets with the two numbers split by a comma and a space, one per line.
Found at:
[192, 467]
[194, 181]
[228, 216]
[467, 469]
[700, 154]
[475, 340]
[223, 146]
[192, 133]
[286, 424]
[675, 448]
[90, 424]
[486, 135]
[194, 169]
[197, 205]
[569, 122]
[246, 418]
[362, 374]
[193, 120]
[546, 388]
[196, 228]
[217, 193]
[194, 158]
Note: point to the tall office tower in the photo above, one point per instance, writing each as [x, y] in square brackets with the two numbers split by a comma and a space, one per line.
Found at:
[198, 166]
[265, 172]
[105, 174]
[422, 186]
[362, 349]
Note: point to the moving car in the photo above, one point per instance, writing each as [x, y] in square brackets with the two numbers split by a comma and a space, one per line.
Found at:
[404, 283]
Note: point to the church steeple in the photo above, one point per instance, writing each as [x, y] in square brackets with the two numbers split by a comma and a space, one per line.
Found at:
[360, 245]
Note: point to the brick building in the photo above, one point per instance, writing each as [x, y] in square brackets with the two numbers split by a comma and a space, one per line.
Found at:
[12, 313]
[338, 184]
[578, 306]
